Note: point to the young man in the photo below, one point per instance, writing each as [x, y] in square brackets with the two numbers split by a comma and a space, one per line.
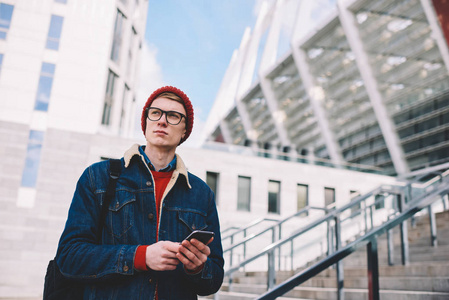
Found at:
[157, 204]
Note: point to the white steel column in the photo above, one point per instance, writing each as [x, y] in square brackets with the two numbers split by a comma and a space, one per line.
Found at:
[225, 132]
[246, 121]
[437, 33]
[316, 95]
[250, 58]
[384, 120]
[268, 59]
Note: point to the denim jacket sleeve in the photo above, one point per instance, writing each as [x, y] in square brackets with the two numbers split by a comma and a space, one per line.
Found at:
[79, 255]
[209, 280]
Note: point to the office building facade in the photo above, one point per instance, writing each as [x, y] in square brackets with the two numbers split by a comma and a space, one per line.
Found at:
[68, 71]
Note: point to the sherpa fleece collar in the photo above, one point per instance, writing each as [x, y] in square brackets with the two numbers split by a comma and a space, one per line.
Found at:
[180, 166]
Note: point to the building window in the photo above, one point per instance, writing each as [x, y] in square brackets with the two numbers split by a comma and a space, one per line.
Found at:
[1, 62]
[124, 107]
[244, 193]
[329, 197]
[33, 157]
[302, 197]
[381, 203]
[109, 99]
[118, 33]
[5, 19]
[274, 191]
[44, 87]
[356, 207]
[132, 45]
[54, 32]
[212, 182]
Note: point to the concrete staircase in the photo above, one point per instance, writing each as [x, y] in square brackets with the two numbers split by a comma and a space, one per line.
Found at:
[426, 276]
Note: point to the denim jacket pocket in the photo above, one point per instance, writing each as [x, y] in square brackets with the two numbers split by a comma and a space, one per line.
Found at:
[121, 213]
[189, 221]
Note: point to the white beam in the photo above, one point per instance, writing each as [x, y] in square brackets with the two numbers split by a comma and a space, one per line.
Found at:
[384, 120]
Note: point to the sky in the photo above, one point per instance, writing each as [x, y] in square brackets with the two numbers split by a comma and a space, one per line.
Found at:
[189, 44]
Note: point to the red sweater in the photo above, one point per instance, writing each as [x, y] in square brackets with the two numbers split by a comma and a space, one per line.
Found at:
[161, 180]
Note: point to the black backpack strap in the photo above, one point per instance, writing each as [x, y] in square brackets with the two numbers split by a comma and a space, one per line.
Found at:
[115, 168]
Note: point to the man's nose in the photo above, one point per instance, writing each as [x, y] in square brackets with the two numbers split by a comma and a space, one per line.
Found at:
[163, 118]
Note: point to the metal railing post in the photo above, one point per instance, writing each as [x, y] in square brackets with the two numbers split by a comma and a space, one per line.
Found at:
[330, 239]
[231, 254]
[339, 264]
[404, 233]
[373, 270]
[271, 274]
[279, 249]
[291, 255]
[365, 214]
[244, 245]
[390, 244]
[433, 227]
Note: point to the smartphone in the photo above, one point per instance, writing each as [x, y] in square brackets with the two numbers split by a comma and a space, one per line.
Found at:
[200, 235]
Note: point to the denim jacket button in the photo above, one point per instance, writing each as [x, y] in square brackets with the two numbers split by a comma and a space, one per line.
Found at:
[148, 183]
[125, 268]
[150, 216]
[150, 281]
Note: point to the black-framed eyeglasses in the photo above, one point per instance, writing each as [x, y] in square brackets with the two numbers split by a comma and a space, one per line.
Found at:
[172, 117]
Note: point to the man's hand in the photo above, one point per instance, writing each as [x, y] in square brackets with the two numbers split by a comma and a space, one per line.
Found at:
[162, 256]
[193, 254]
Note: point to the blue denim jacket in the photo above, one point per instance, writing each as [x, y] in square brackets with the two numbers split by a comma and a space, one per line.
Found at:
[107, 269]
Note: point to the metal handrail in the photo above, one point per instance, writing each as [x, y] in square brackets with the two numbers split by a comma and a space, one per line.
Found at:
[369, 239]
[272, 228]
[326, 218]
[402, 191]
[243, 229]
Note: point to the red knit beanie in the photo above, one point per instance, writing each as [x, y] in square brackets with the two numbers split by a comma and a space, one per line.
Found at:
[187, 106]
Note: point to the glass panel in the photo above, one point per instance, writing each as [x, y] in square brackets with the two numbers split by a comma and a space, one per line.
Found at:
[353, 195]
[273, 196]
[302, 197]
[5, 19]
[33, 157]
[212, 182]
[1, 62]
[44, 87]
[109, 97]
[124, 106]
[54, 32]
[329, 196]
[244, 193]
[118, 32]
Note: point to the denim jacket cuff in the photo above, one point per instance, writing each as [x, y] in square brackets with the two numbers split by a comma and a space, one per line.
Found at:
[125, 263]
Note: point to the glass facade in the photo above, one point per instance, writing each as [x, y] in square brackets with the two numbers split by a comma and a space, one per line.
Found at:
[329, 197]
[244, 193]
[274, 196]
[6, 11]
[302, 196]
[212, 179]
[1, 62]
[54, 32]
[118, 35]
[109, 98]
[44, 87]
[33, 158]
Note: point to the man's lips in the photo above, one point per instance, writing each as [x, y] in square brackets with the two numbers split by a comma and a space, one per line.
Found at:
[160, 132]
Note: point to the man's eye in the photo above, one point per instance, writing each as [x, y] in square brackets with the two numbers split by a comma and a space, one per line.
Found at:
[173, 115]
[155, 112]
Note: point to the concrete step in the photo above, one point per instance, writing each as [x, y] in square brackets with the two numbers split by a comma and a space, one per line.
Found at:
[415, 283]
[331, 293]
